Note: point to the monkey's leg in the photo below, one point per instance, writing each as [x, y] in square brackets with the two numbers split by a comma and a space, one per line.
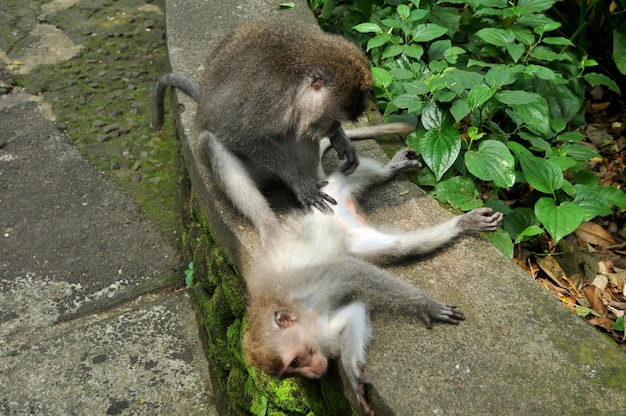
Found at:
[239, 187]
[369, 173]
[359, 276]
[368, 243]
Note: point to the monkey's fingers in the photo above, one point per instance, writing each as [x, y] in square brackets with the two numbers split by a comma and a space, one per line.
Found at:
[350, 166]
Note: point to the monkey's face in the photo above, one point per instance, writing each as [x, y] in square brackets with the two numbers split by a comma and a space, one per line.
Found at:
[301, 354]
[354, 104]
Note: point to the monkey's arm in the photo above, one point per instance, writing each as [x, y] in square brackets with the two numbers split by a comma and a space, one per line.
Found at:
[368, 243]
[271, 157]
[184, 84]
[345, 150]
[355, 333]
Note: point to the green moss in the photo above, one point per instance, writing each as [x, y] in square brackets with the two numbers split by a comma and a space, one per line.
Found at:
[102, 99]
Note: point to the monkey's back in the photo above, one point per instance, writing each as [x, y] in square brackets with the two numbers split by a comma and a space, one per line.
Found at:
[254, 73]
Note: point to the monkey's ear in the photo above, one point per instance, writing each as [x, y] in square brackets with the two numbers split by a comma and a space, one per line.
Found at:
[284, 318]
[318, 77]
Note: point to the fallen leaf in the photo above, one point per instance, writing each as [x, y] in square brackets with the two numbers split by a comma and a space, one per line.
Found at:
[600, 281]
[595, 234]
[593, 295]
[602, 322]
[552, 268]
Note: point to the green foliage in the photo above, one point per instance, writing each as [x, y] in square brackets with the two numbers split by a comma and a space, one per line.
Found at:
[596, 26]
[494, 92]
[189, 274]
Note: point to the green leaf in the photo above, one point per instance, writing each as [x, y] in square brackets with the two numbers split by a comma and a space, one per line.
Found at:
[589, 198]
[563, 162]
[414, 50]
[523, 35]
[401, 73]
[452, 54]
[557, 41]
[403, 11]
[417, 15]
[390, 51]
[382, 78]
[540, 72]
[427, 32]
[594, 78]
[549, 26]
[615, 196]
[460, 192]
[189, 274]
[479, 95]
[579, 152]
[544, 53]
[529, 231]
[411, 102]
[517, 221]
[459, 109]
[570, 136]
[440, 149]
[535, 116]
[377, 41]
[542, 174]
[433, 117]
[502, 241]
[535, 6]
[517, 97]
[416, 87]
[368, 28]
[515, 50]
[619, 48]
[558, 221]
[498, 77]
[537, 143]
[492, 162]
[618, 325]
[496, 37]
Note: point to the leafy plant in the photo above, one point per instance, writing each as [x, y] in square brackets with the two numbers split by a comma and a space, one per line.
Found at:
[495, 94]
[189, 272]
[598, 26]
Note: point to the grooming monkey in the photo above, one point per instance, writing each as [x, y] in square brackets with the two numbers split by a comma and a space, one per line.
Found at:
[303, 294]
[270, 90]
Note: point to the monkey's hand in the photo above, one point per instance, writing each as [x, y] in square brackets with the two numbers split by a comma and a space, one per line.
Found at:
[480, 219]
[345, 150]
[430, 310]
[404, 159]
[310, 196]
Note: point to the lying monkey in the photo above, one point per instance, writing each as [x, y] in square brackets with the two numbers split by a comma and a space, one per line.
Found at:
[270, 91]
[298, 313]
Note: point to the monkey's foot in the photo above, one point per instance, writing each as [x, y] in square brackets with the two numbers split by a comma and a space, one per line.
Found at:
[404, 159]
[362, 391]
[481, 219]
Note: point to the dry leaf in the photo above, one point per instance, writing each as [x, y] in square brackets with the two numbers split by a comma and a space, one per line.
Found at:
[600, 281]
[552, 268]
[593, 295]
[602, 322]
[594, 234]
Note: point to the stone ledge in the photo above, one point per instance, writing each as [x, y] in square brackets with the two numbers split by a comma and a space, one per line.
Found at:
[519, 352]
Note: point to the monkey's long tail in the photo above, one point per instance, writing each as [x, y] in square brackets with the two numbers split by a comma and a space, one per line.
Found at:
[184, 84]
